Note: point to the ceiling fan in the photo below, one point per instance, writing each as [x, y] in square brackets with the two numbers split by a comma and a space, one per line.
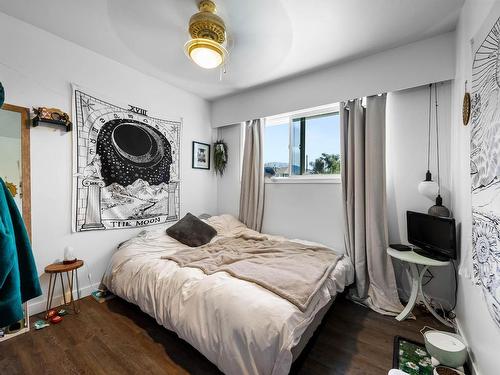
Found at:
[208, 36]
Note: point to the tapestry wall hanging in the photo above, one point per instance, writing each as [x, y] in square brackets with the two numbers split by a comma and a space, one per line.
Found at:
[126, 166]
[485, 162]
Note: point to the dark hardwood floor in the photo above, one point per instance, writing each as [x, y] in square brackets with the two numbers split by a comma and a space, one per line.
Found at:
[117, 338]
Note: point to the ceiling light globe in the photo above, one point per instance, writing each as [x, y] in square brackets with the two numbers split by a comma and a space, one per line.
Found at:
[206, 57]
[206, 53]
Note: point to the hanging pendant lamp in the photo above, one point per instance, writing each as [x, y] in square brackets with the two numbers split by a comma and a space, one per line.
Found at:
[428, 187]
[438, 209]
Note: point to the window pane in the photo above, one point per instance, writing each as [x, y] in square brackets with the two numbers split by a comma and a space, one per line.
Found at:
[276, 155]
[295, 145]
[322, 151]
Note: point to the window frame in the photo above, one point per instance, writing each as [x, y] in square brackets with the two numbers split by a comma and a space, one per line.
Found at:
[288, 118]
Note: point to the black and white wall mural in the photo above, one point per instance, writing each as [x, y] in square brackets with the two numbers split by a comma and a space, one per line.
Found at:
[485, 163]
[126, 166]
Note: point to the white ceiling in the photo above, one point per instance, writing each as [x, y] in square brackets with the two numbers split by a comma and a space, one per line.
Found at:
[268, 40]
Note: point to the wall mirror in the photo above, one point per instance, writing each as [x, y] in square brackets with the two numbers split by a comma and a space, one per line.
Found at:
[15, 171]
[15, 157]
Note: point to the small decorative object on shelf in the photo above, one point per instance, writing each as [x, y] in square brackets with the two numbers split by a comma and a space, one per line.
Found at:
[51, 116]
[220, 156]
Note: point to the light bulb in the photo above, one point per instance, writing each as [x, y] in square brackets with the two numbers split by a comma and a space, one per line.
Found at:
[428, 189]
[206, 53]
[206, 57]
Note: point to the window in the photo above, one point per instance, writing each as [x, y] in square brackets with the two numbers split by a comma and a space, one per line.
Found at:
[306, 143]
[276, 154]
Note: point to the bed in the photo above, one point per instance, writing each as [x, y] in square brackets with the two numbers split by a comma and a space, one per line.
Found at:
[240, 326]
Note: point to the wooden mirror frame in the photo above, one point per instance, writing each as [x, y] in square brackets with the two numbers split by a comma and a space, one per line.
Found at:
[25, 162]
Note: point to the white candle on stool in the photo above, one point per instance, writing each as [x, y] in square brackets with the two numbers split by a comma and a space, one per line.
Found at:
[69, 254]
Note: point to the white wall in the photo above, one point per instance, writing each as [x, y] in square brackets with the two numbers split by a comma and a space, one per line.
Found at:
[309, 211]
[415, 64]
[406, 148]
[36, 69]
[228, 186]
[475, 322]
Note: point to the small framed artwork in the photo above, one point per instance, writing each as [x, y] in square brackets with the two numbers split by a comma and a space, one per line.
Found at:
[201, 155]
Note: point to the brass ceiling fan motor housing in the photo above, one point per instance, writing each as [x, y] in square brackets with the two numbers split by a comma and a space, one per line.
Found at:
[206, 24]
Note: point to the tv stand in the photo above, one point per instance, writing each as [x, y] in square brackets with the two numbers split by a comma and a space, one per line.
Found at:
[430, 255]
[414, 259]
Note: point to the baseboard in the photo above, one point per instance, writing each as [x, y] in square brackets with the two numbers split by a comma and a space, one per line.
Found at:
[470, 361]
[39, 306]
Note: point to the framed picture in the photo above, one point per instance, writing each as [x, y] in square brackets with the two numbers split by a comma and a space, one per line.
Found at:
[201, 155]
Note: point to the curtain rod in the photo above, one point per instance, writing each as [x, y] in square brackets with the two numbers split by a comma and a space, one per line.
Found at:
[363, 100]
[408, 88]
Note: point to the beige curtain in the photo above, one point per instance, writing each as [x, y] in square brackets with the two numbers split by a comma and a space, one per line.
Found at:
[252, 178]
[364, 198]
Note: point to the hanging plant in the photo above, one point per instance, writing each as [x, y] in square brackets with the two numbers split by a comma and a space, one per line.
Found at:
[220, 156]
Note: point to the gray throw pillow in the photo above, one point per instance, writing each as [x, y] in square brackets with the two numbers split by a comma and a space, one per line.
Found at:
[191, 231]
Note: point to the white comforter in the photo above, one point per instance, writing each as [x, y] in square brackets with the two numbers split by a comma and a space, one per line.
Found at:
[240, 326]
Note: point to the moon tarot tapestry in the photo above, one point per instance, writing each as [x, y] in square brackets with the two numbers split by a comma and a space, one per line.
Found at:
[126, 166]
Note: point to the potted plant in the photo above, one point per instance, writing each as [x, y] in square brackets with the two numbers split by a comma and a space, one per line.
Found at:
[220, 156]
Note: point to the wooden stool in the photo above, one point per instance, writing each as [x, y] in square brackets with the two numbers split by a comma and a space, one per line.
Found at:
[59, 268]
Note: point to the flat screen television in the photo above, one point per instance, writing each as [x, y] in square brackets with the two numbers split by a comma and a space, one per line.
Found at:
[434, 236]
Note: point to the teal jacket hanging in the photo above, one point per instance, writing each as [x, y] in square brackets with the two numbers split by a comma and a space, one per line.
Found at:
[18, 275]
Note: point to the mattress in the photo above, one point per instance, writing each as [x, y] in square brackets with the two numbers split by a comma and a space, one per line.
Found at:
[239, 326]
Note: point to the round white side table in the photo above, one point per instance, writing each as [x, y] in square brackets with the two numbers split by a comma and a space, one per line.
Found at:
[413, 259]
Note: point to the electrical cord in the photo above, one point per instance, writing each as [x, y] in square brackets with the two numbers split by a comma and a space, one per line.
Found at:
[448, 314]
[437, 138]
[429, 131]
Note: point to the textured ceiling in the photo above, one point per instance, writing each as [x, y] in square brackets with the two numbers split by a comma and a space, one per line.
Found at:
[268, 40]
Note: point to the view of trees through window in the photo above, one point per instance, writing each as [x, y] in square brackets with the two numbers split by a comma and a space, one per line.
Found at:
[308, 145]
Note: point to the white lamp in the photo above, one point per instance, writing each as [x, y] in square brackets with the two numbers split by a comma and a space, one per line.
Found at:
[428, 188]
[69, 255]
